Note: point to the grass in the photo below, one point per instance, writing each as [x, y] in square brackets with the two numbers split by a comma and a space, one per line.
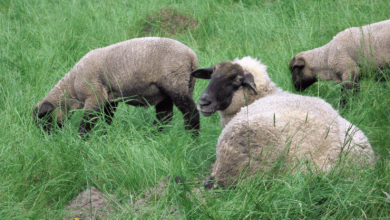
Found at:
[41, 40]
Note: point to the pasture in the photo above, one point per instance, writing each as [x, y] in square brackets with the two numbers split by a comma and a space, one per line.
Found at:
[40, 41]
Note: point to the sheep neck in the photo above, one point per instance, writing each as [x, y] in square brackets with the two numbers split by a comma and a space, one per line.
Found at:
[318, 62]
[227, 116]
[62, 91]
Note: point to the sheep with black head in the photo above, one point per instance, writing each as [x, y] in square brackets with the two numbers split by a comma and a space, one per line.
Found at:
[265, 126]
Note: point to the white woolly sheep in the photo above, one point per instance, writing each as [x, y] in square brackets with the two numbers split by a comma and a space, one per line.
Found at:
[277, 125]
[342, 58]
[140, 72]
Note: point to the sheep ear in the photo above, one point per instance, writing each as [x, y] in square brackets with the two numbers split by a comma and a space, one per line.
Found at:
[249, 82]
[43, 110]
[204, 73]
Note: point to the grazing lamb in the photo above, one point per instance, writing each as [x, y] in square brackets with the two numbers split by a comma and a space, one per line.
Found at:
[340, 60]
[140, 72]
[276, 124]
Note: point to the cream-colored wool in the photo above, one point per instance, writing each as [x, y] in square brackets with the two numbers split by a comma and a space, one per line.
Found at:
[141, 72]
[280, 124]
[340, 60]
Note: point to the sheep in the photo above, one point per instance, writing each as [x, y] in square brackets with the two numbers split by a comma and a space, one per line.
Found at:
[140, 72]
[342, 58]
[273, 125]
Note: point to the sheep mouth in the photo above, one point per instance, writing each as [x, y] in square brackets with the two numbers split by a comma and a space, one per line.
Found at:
[207, 114]
[298, 87]
[303, 84]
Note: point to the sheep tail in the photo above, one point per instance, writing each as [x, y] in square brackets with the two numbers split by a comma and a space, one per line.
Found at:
[194, 66]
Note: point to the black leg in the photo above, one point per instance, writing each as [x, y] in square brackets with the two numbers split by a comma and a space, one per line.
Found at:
[187, 106]
[89, 119]
[349, 90]
[109, 110]
[344, 95]
[164, 112]
[350, 86]
[209, 182]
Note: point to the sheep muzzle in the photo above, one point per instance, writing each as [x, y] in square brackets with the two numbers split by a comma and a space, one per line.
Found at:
[206, 105]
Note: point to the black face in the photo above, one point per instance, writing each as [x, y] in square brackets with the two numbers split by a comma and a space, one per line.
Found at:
[300, 81]
[225, 79]
[43, 116]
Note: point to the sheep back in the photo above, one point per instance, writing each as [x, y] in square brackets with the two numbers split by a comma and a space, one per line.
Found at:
[357, 46]
[139, 67]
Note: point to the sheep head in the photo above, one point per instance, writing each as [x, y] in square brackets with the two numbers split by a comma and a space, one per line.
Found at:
[43, 115]
[225, 79]
[301, 76]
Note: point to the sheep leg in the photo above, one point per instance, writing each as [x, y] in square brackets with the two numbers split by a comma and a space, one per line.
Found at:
[90, 116]
[350, 86]
[345, 90]
[348, 91]
[187, 106]
[164, 112]
[89, 119]
[109, 110]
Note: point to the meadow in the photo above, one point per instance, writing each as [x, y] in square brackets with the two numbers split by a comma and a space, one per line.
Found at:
[40, 174]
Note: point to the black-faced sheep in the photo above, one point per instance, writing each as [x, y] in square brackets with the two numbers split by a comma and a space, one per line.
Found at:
[140, 72]
[267, 124]
[341, 59]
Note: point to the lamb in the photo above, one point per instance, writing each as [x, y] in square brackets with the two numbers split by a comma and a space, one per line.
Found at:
[343, 57]
[140, 72]
[265, 124]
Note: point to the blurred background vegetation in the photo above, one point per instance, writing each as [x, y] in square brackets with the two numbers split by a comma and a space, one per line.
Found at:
[41, 40]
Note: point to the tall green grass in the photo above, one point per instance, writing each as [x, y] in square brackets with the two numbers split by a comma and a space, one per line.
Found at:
[41, 40]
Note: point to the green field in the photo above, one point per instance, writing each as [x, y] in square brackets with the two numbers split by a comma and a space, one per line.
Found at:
[40, 174]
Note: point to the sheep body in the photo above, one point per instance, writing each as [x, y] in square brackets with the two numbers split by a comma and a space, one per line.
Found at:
[280, 126]
[342, 58]
[308, 126]
[141, 72]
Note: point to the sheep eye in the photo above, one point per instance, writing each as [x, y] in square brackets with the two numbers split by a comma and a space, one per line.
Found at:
[237, 82]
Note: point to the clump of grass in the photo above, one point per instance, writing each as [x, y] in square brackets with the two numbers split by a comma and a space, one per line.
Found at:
[168, 21]
[40, 174]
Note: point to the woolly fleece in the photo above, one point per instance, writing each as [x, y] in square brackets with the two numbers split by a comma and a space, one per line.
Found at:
[141, 72]
[341, 58]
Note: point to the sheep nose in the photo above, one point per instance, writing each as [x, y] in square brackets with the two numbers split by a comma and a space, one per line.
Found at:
[204, 100]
